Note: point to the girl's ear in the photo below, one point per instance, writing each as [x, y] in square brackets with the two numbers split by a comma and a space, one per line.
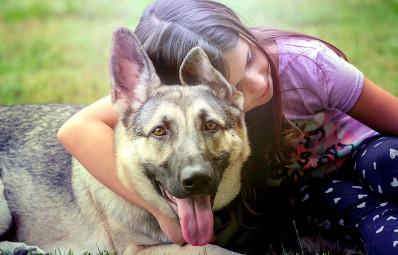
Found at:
[132, 73]
[196, 69]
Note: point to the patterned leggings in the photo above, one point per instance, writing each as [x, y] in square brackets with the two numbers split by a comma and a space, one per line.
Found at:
[368, 205]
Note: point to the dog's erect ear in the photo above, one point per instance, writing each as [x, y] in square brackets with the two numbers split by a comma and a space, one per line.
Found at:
[196, 69]
[132, 73]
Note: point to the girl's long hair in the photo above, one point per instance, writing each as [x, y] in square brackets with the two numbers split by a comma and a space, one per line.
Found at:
[168, 29]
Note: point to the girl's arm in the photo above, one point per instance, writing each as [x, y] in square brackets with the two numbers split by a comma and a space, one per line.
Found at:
[377, 109]
[88, 136]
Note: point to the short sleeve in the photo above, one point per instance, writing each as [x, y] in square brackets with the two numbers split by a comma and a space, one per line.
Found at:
[314, 79]
[344, 82]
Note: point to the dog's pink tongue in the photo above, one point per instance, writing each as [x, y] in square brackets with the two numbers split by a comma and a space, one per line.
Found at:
[196, 219]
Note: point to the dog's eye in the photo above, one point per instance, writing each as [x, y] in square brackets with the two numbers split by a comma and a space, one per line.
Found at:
[211, 125]
[159, 131]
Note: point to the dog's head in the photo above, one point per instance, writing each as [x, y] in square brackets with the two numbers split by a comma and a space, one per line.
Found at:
[180, 147]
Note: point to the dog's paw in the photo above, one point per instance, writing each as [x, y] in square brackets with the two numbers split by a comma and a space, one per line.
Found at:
[29, 250]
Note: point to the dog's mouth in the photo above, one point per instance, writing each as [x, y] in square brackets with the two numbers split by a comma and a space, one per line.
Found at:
[195, 216]
[170, 199]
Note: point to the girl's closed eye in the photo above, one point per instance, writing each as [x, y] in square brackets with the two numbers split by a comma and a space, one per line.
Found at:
[251, 58]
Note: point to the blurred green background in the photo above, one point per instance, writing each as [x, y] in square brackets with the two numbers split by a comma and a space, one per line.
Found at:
[57, 51]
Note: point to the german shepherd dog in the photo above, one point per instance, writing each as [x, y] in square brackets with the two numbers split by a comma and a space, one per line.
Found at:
[180, 147]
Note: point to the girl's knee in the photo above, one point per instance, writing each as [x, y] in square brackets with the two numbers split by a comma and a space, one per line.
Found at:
[377, 150]
[376, 164]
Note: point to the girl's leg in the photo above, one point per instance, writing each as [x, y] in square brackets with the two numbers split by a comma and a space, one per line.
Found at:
[370, 207]
[350, 206]
[376, 165]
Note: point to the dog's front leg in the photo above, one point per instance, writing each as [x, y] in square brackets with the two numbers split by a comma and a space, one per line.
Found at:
[126, 240]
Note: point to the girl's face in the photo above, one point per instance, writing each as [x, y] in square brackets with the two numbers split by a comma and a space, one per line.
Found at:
[250, 73]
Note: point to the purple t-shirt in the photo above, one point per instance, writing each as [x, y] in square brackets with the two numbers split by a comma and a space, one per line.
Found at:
[318, 88]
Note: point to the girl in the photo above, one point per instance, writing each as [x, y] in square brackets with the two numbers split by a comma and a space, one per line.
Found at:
[315, 122]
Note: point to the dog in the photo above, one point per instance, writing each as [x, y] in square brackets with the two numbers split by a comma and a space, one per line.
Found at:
[180, 147]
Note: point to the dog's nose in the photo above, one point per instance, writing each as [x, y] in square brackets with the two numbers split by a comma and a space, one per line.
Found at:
[195, 179]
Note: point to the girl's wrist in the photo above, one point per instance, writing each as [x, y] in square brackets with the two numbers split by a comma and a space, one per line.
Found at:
[158, 214]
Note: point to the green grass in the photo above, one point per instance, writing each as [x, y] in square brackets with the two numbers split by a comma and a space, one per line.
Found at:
[57, 51]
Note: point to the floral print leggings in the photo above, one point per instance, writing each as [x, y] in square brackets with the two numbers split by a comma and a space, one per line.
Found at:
[368, 205]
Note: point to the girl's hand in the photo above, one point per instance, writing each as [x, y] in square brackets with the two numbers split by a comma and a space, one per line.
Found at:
[170, 228]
